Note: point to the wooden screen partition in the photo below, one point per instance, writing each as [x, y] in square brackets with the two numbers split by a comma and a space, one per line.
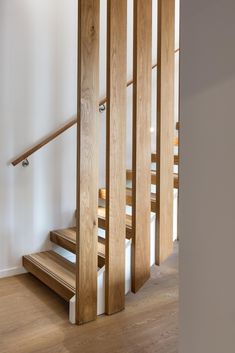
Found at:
[87, 164]
[116, 155]
[141, 180]
[165, 129]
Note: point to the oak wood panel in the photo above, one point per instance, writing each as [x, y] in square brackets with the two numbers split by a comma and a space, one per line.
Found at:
[165, 129]
[53, 270]
[116, 155]
[87, 164]
[141, 155]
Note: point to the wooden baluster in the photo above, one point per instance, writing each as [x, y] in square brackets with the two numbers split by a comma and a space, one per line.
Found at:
[141, 180]
[87, 164]
[116, 155]
[165, 129]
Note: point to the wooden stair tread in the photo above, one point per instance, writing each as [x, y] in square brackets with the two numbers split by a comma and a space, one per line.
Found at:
[55, 271]
[102, 220]
[154, 177]
[101, 214]
[102, 195]
[66, 238]
[129, 193]
[68, 234]
[154, 158]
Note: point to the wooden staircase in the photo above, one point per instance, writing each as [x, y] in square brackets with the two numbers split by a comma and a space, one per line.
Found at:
[98, 273]
[56, 271]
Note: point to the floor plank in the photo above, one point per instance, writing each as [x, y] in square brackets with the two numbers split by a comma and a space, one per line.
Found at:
[33, 319]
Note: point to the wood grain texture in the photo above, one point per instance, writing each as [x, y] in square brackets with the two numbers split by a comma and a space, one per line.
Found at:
[102, 221]
[53, 270]
[34, 319]
[154, 158]
[165, 129]
[116, 155]
[154, 176]
[66, 238]
[141, 156]
[44, 142]
[103, 194]
[87, 164]
[102, 216]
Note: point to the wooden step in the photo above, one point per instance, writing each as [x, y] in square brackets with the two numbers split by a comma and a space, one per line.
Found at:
[66, 238]
[154, 158]
[154, 178]
[53, 270]
[176, 141]
[102, 196]
[102, 222]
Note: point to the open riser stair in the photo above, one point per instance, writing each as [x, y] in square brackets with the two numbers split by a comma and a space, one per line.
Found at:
[56, 268]
[128, 224]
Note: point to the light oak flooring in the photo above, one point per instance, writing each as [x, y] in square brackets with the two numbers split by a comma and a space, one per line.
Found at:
[34, 319]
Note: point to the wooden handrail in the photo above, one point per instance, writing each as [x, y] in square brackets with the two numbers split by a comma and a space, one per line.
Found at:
[43, 142]
[62, 129]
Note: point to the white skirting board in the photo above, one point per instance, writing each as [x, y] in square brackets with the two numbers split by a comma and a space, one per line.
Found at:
[14, 271]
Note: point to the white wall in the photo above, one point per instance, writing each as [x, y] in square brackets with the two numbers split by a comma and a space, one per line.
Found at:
[37, 94]
[207, 169]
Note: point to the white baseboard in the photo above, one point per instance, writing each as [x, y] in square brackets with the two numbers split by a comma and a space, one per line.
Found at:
[14, 271]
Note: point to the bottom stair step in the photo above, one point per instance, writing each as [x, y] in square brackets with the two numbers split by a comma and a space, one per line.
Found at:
[53, 270]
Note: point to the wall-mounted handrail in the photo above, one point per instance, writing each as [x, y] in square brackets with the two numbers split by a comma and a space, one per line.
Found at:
[62, 129]
[44, 142]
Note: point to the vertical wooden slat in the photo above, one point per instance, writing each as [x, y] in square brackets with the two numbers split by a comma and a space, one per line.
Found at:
[141, 187]
[165, 128]
[115, 156]
[87, 164]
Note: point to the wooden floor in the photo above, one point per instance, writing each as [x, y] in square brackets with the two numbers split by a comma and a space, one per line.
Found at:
[34, 319]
